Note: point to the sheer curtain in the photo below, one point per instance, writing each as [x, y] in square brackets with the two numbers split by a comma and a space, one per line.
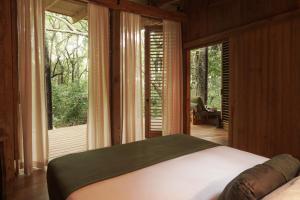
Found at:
[172, 87]
[99, 133]
[131, 64]
[33, 113]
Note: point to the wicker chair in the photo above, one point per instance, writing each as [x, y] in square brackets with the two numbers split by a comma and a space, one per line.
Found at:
[201, 115]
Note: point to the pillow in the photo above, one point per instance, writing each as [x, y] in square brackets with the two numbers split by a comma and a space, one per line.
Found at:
[257, 182]
[253, 183]
[285, 164]
[289, 191]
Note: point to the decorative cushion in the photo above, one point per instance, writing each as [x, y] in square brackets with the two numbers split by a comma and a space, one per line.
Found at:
[285, 164]
[257, 182]
[289, 191]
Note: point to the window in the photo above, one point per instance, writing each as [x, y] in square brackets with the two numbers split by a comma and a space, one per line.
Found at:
[153, 80]
[66, 44]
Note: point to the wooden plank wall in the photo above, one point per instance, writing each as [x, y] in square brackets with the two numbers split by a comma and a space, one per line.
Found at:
[115, 78]
[207, 17]
[8, 80]
[264, 67]
[266, 89]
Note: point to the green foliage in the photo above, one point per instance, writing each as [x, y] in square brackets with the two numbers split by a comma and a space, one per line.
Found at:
[214, 99]
[70, 104]
[214, 75]
[67, 48]
[198, 73]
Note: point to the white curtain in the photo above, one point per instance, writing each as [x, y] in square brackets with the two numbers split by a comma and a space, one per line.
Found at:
[131, 64]
[172, 87]
[33, 113]
[99, 133]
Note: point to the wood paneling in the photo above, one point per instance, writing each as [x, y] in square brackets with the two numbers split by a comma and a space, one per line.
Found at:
[3, 192]
[186, 92]
[216, 13]
[144, 10]
[8, 80]
[115, 72]
[223, 35]
[266, 88]
[208, 17]
[264, 41]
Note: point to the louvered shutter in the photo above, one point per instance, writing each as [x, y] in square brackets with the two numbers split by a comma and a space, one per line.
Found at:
[153, 80]
[225, 84]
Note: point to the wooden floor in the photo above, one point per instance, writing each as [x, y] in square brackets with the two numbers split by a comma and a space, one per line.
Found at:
[63, 141]
[210, 133]
[32, 187]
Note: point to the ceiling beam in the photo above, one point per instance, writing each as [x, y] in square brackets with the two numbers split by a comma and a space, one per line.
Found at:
[161, 3]
[51, 3]
[144, 10]
[81, 14]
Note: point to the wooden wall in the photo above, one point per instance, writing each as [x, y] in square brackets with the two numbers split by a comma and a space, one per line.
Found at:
[8, 79]
[265, 88]
[264, 67]
[207, 17]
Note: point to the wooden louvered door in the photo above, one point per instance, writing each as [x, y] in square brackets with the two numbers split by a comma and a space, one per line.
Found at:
[225, 84]
[153, 81]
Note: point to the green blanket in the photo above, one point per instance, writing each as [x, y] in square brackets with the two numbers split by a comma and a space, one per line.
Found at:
[72, 172]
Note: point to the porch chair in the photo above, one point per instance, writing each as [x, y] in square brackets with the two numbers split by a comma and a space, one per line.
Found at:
[202, 115]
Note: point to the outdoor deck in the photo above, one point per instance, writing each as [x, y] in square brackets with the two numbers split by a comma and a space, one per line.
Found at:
[210, 133]
[67, 140]
[63, 141]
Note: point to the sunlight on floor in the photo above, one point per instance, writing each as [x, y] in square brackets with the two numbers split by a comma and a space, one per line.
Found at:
[210, 133]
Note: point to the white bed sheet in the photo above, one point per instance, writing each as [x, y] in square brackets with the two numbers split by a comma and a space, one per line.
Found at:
[197, 176]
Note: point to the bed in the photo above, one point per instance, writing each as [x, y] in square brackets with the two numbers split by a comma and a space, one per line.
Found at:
[173, 167]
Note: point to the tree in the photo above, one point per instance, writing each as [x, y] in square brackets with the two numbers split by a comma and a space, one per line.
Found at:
[66, 56]
[214, 82]
[198, 73]
[214, 75]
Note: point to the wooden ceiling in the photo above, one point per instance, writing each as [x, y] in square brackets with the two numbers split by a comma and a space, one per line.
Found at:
[77, 9]
[170, 5]
[73, 8]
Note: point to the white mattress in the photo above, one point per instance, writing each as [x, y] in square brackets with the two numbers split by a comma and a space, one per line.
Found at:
[198, 176]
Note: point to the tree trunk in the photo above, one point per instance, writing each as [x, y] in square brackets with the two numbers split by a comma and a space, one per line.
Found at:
[48, 88]
[73, 72]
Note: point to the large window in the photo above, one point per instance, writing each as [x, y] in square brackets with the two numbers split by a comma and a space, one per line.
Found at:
[66, 53]
[66, 62]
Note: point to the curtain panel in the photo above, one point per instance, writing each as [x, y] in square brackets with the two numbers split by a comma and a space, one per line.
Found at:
[33, 128]
[173, 79]
[99, 130]
[131, 78]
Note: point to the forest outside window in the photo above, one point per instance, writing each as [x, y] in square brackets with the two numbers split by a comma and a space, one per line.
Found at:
[66, 67]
